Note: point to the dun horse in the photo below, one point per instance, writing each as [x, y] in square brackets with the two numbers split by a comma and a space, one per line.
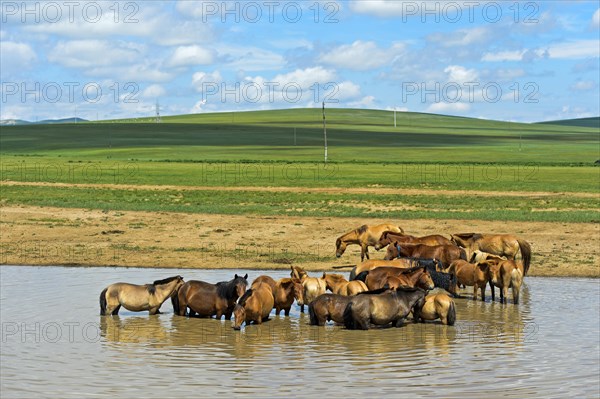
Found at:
[138, 298]
[254, 306]
[337, 284]
[505, 274]
[437, 306]
[445, 254]
[328, 307]
[470, 274]
[413, 277]
[365, 236]
[383, 309]
[285, 290]
[373, 263]
[207, 299]
[389, 237]
[313, 286]
[498, 244]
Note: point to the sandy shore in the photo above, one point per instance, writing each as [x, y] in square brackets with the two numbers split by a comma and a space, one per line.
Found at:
[60, 236]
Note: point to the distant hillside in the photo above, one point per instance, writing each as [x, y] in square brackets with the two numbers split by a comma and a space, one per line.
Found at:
[581, 122]
[12, 122]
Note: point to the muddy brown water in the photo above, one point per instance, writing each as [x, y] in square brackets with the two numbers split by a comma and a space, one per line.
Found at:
[55, 344]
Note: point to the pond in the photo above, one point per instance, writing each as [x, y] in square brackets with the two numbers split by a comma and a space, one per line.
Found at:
[55, 344]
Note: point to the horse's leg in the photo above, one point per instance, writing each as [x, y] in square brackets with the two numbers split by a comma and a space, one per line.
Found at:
[277, 310]
[287, 311]
[155, 310]
[366, 249]
[116, 310]
[493, 291]
[191, 312]
[400, 322]
[504, 294]
[302, 309]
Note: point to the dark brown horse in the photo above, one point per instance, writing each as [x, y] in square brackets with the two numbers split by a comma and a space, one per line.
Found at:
[207, 300]
[498, 244]
[414, 277]
[328, 307]
[389, 236]
[445, 254]
[254, 306]
[382, 309]
[365, 236]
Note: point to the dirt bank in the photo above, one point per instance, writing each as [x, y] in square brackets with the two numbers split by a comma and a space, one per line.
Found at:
[60, 236]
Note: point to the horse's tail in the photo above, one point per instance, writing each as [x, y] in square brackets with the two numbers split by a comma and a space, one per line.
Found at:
[362, 276]
[103, 302]
[348, 317]
[516, 279]
[175, 302]
[451, 318]
[525, 254]
[312, 315]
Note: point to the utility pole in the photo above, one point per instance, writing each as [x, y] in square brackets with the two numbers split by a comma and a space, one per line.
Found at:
[324, 132]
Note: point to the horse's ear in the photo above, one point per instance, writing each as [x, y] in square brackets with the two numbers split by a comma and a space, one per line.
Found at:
[246, 276]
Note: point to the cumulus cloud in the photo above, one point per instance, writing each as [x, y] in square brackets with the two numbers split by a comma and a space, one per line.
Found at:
[443, 107]
[361, 56]
[15, 56]
[154, 91]
[596, 19]
[201, 79]
[584, 85]
[93, 53]
[191, 55]
[460, 74]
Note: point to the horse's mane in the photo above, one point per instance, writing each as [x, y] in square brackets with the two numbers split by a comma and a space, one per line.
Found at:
[412, 269]
[362, 229]
[243, 298]
[375, 292]
[166, 280]
[226, 289]
[466, 236]
[151, 288]
[409, 289]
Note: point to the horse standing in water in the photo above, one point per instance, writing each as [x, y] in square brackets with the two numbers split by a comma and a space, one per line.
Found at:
[337, 284]
[414, 277]
[313, 286]
[365, 236]
[138, 298]
[254, 306]
[285, 291]
[207, 299]
[445, 254]
[497, 244]
[505, 274]
[437, 306]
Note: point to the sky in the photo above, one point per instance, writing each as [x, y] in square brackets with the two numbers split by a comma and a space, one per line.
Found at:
[519, 61]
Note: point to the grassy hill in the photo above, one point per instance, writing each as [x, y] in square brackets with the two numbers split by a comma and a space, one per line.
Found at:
[581, 122]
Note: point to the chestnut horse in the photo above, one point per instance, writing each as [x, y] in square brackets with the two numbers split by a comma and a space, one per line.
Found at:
[389, 236]
[437, 306]
[382, 309]
[138, 298]
[313, 286]
[505, 274]
[445, 254]
[254, 306]
[284, 290]
[337, 284]
[498, 244]
[365, 236]
[327, 307]
[373, 263]
[415, 276]
[207, 299]
[470, 274]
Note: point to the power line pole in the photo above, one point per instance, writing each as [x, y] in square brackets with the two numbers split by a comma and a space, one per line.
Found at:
[324, 132]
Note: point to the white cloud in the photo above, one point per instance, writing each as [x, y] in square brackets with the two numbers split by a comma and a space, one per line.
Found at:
[191, 55]
[365, 102]
[248, 58]
[442, 107]
[461, 37]
[198, 107]
[15, 57]
[460, 74]
[596, 19]
[385, 8]
[93, 53]
[584, 85]
[200, 79]
[574, 49]
[362, 56]
[154, 91]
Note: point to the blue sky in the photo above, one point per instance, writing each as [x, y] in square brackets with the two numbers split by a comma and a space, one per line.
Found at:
[515, 61]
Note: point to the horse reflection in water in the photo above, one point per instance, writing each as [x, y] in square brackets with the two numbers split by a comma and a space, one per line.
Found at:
[134, 330]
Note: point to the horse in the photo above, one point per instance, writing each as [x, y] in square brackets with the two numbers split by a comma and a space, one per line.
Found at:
[313, 286]
[373, 263]
[498, 244]
[480, 256]
[445, 254]
[470, 274]
[391, 306]
[365, 236]
[415, 276]
[337, 284]
[327, 307]
[436, 306]
[254, 306]
[208, 299]
[264, 279]
[389, 236]
[505, 274]
[286, 290]
[138, 298]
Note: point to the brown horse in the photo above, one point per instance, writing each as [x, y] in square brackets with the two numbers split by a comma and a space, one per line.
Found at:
[498, 244]
[470, 274]
[382, 309]
[254, 306]
[373, 263]
[436, 306]
[286, 290]
[264, 279]
[480, 256]
[313, 286]
[413, 277]
[505, 274]
[445, 254]
[337, 284]
[328, 307]
[138, 298]
[365, 236]
[207, 299]
[389, 236]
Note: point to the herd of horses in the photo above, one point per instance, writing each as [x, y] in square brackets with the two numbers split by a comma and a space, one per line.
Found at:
[379, 292]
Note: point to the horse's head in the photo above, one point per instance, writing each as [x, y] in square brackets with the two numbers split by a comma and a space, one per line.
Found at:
[239, 313]
[298, 291]
[241, 283]
[383, 241]
[393, 251]
[425, 281]
[340, 247]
